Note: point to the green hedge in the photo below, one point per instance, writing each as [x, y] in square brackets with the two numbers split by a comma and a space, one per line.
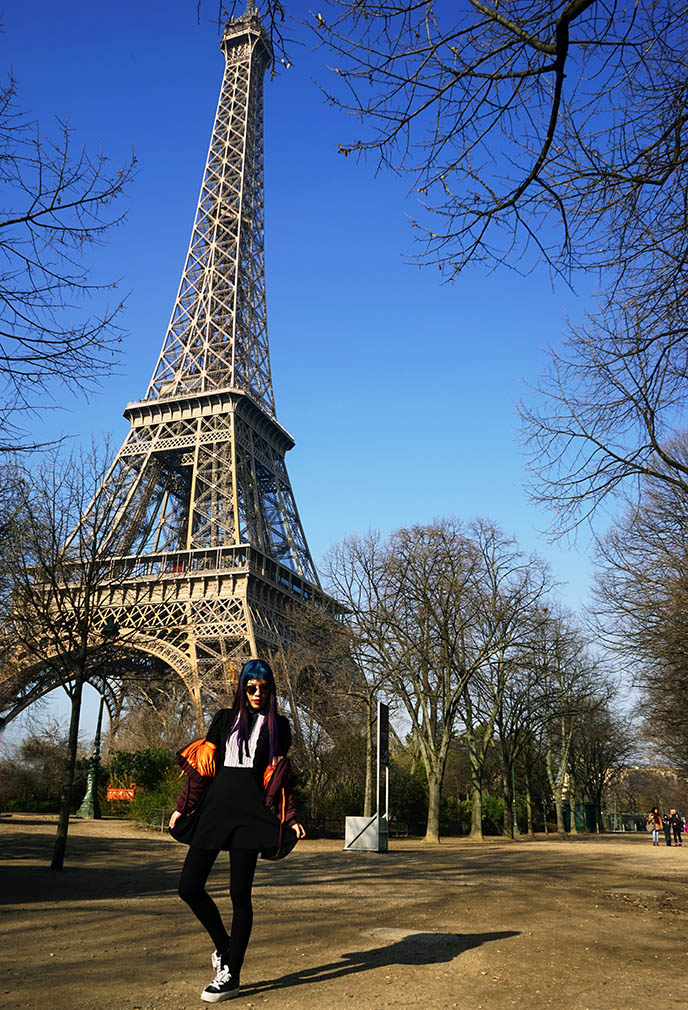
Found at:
[146, 767]
[151, 806]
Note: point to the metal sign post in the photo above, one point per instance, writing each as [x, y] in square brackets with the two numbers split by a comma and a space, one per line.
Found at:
[371, 834]
[382, 777]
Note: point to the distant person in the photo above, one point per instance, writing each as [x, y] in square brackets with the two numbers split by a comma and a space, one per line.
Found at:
[666, 824]
[676, 827]
[226, 799]
[654, 824]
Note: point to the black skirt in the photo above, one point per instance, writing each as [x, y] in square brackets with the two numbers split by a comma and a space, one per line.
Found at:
[232, 814]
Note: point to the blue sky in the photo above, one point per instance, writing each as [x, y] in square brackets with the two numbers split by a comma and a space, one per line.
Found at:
[400, 390]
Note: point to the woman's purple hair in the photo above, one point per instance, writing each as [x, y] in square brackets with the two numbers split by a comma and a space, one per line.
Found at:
[255, 669]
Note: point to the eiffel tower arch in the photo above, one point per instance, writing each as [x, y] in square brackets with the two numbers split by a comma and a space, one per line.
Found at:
[206, 549]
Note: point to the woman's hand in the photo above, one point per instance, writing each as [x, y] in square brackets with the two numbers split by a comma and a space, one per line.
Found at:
[300, 830]
[174, 818]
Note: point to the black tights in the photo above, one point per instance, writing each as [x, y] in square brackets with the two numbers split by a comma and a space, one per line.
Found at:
[242, 867]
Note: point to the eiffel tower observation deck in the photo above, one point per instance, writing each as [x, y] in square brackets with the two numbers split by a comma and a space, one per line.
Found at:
[206, 547]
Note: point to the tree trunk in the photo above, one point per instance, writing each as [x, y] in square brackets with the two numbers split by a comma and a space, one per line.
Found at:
[294, 717]
[477, 814]
[198, 710]
[529, 810]
[476, 759]
[432, 832]
[557, 787]
[114, 722]
[68, 780]
[572, 803]
[599, 823]
[507, 811]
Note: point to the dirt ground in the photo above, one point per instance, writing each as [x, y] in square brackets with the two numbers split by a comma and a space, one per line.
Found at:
[575, 924]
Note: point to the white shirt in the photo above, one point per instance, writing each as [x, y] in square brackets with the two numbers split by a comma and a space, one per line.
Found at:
[232, 748]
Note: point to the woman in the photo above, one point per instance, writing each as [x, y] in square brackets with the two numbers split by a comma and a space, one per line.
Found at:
[676, 826]
[224, 788]
[654, 823]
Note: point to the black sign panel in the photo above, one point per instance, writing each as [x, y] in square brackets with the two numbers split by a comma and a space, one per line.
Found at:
[383, 734]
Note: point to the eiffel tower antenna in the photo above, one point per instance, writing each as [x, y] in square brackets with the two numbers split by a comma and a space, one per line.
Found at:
[207, 540]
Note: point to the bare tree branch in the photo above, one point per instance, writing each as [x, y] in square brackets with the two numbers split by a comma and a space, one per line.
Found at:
[58, 205]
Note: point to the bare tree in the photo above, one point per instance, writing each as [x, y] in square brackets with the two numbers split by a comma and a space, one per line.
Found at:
[511, 586]
[415, 604]
[519, 718]
[320, 685]
[351, 568]
[601, 752]
[31, 770]
[58, 204]
[641, 788]
[607, 413]
[642, 608]
[157, 709]
[547, 128]
[279, 22]
[532, 771]
[53, 573]
[568, 678]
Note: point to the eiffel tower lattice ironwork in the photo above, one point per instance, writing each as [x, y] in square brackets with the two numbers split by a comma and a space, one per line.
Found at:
[207, 548]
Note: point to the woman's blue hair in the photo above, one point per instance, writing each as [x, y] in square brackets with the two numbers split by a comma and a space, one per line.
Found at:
[255, 669]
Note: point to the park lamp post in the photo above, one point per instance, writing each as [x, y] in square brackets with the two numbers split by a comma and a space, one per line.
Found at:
[90, 808]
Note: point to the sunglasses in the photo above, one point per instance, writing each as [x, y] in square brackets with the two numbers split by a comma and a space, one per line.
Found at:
[256, 688]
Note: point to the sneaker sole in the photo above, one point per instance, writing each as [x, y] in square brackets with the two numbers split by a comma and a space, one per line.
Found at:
[218, 997]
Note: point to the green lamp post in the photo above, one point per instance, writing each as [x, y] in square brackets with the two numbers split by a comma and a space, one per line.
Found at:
[90, 807]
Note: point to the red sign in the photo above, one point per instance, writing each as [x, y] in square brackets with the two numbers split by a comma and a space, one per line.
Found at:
[118, 793]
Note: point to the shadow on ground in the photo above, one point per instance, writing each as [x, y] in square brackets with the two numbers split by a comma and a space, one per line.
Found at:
[120, 865]
[95, 868]
[414, 949]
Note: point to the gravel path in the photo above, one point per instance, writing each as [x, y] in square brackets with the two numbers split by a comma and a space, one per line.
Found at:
[575, 924]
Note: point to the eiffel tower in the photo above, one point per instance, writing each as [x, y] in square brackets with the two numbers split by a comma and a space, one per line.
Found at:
[206, 545]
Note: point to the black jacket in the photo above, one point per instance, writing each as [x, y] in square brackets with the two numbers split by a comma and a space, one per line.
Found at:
[198, 778]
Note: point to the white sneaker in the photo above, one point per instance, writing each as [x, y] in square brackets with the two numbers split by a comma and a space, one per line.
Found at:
[224, 986]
